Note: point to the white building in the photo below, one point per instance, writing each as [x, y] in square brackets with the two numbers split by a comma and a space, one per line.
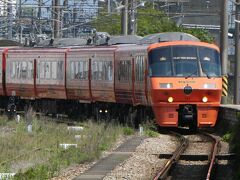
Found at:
[4, 4]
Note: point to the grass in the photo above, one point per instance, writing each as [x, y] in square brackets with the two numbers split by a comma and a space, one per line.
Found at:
[150, 129]
[37, 155]
[128, 131]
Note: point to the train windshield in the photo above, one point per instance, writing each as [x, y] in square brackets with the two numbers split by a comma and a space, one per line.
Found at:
[184, 61]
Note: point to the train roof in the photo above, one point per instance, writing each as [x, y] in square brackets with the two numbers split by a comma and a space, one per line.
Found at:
[62, 42]
[129, 39]
[9, 43]
[187, 43]
[168, 36]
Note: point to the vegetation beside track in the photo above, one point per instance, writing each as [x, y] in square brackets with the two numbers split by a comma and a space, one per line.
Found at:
[37, 154]
[232, 136]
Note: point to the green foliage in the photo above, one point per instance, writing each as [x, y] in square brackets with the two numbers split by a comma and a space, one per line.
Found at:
[149, 21]
[38, 172]
[151, 133]
[150, 129]
[236, 148]
[3, 121]
[227, 137]
[50, 158]
[202, 34]
[107, 23]
[128, 131]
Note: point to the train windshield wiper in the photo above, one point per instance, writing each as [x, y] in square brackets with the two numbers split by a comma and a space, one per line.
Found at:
[188, 76]
[208, 76]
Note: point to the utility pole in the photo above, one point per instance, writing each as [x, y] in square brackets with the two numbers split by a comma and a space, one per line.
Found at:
[133, 22]
[224, 46]
[65, 16]
[124, 19]
[237, 56]
[56, 19]
[109, 7]
[39, 16]
[10, 19]
[19, 19]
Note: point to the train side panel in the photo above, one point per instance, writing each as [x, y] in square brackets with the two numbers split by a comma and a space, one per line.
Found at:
[1, 72]
[78, 86]
[102, 79]
[124, 75]
[20, 73]
[131, 75]
[90, 74]
[140, 76]
[50, 74]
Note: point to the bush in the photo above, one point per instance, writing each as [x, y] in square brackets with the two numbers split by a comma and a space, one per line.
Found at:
[151, 133]
[128, 131]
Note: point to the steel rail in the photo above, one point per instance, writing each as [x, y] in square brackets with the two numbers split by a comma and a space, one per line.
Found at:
[162, 174]
[213, 153]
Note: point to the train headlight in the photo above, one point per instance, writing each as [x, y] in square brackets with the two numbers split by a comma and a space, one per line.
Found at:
[166, 85]
[106, 111]
[204, 99]
[100, 111]
[170, 99]
[209, 86]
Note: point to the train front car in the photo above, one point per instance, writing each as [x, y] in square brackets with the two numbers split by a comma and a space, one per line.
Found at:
[186, 83]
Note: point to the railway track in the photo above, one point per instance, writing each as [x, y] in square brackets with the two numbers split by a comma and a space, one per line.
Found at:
[195, 158]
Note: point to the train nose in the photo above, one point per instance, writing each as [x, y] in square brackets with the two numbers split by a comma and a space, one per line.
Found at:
[187, 112]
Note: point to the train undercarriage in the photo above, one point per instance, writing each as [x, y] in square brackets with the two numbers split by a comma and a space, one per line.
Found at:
[125, 114]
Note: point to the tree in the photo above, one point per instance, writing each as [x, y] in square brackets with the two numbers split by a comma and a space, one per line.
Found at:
[149, 21]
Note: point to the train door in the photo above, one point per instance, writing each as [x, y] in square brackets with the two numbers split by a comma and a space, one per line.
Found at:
[123, 77]
[140, 84]
[78, 75]
[50, 76]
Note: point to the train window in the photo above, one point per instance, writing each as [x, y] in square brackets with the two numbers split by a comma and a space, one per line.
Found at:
[79, 70]
[30, 70]
[108, 70]
[102, 70]
[60, 72]
[210, 61]
[85, 70]
[124, 71]
[41, 70]
[139, 68]
[21, 70]
[72, 67]
[160, 62]
[51, 70]
[18, 67]
[94, 70]
[48, 70]
[185, 60]
[54, 70]
[13, 70]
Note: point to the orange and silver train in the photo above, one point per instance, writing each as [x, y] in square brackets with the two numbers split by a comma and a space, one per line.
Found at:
[173, 74]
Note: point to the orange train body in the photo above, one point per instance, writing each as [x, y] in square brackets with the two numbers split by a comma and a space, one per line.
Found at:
[180, 80]
[172, 104]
